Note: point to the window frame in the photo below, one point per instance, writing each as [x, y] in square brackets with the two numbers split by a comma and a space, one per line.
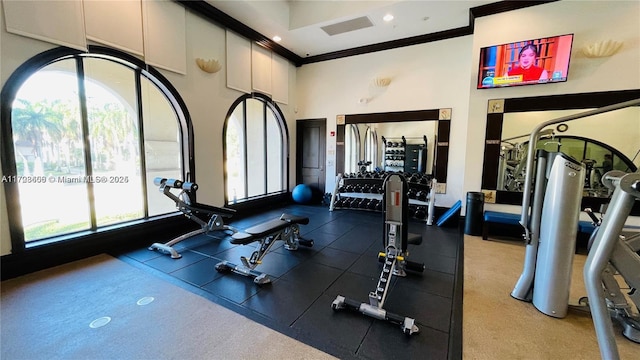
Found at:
[268, 104]
[7, 157]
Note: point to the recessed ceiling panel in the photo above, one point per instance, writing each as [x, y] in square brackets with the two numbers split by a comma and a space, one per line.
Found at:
[347, 26]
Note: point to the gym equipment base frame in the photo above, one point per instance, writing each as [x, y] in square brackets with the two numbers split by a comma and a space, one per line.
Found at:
[285, 228]
[183, 203]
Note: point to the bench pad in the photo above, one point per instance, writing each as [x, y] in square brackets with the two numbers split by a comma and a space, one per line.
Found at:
[267, 228]
[584, 227]
[224, 212]
[500, 217]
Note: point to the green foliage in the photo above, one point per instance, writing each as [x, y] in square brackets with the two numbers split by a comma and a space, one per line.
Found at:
[53, 227]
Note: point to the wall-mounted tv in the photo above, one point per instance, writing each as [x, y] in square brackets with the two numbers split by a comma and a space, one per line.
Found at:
[528, 62]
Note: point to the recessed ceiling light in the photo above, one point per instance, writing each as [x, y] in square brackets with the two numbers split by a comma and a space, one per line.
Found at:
[388, 17]
[277, 38]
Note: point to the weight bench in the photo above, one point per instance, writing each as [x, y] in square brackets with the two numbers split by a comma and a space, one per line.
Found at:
[498, 218]
[395, 263]
[191, 211]
[285, 228]
[584, 227]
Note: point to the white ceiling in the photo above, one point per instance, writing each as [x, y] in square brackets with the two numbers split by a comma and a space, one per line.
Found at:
[299, 22]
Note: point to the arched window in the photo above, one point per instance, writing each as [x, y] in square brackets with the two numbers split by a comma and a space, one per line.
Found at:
[255, 149]
[84, 135]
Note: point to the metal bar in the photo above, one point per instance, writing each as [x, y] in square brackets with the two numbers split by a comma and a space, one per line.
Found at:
[598, 258]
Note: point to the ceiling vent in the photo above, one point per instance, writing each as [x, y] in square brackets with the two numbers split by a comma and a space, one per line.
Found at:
[346, 26]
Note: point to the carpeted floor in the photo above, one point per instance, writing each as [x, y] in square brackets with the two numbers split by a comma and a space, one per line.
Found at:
[48, 315]
[497, 326]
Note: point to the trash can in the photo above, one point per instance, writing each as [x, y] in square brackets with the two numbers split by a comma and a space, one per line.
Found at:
[473, 218]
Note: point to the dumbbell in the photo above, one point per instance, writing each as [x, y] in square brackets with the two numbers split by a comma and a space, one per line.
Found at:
[372, 204]
[411, 210]
[364, 203]
[412, 193]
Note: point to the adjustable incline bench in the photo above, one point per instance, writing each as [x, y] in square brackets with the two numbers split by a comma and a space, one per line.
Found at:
[191, 211]
[285, 228]
[395, 263]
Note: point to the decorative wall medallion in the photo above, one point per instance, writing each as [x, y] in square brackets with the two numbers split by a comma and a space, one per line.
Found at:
[445, 114]
[496, 106]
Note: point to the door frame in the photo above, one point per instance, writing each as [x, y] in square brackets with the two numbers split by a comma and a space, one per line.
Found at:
[300, 125]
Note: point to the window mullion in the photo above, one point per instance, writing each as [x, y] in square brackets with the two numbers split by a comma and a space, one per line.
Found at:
[84, 118]
[246, 158]
[141, 144]
[265, 148]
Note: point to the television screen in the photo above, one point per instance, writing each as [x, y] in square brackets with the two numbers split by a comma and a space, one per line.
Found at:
[537, 61]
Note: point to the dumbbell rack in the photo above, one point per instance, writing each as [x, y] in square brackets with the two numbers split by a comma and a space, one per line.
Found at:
[402, 156]
[363, 191]
[394, 154]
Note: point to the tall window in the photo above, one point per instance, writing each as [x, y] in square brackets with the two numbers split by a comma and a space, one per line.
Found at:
[371, 147]
[255, 138]
[87, 134]
[351, 148]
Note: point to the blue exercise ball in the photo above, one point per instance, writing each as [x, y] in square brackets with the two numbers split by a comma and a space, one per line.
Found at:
[301, 194]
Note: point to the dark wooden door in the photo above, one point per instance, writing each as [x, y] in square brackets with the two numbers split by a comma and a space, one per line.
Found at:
[310, 163]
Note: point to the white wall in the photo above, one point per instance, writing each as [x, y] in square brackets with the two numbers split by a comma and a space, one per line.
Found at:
[427, 76]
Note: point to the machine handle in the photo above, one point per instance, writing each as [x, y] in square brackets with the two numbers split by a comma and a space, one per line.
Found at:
[593, 216]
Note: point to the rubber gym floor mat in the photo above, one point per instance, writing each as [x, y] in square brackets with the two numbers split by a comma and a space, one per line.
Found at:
[343, 261]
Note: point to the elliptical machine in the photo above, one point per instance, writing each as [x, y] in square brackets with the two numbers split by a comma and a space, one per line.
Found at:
[395, 241]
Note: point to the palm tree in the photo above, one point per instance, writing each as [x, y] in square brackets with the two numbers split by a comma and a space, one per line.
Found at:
[110, 128]
[36, 123]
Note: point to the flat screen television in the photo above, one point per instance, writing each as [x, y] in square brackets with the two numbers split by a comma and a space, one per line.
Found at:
[529, 62]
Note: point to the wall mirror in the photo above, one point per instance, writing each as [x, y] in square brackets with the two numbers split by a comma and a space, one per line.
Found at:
[384, 141]
[601, 142]
[373, 146]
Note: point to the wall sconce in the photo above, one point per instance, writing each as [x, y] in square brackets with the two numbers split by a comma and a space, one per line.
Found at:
[381, 81]
[602, 48]
[211, 66]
